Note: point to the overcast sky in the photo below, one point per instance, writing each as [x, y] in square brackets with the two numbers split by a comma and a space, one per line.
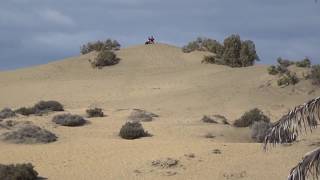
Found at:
[38, 31]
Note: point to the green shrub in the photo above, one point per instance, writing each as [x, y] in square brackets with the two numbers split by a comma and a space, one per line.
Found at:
[29, 134]
[282, 69]
[69, 120]
[304, 63]
[18, 172]
[272, 70]
[94, 112]
[105, 58]
[133, 130]
[248, 118]
[259, 130]
[204, 44]
[288, 79]
[315, 74]
[7, 113]
[209, 60]
[108, 45]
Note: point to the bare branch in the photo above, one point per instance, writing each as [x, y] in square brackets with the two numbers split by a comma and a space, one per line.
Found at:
[309, 166]
[301, 119]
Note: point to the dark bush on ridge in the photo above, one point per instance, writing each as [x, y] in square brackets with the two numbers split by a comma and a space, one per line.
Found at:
[204, 44]
[26, 111]
[284, 62]
[248, 118]
[132, 130]
[108, 45]
[18, 172]
[259, 130]
[315, 74]
[104, 58]
[69, 120]
[29, 134]
[304, 63]
[95, 112]
[7, 113]
[272, 70]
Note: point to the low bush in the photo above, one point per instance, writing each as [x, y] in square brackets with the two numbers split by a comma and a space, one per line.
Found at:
[49, 106]
[259, 130]
[304, 63]
[248, 118]
[288, 79]
[104, 58]
[94, 112]
[40, 108]
[69, 120]
[108, 45]
[209, 60]
[315, 74]
[29, 134]
[217, 119]
[7, 113]
[18, 172]
[133, 130]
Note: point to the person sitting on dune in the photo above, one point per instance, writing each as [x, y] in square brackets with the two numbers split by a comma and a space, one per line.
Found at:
[150, 40]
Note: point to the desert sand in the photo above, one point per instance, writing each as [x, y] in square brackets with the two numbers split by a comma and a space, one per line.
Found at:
[161, 79]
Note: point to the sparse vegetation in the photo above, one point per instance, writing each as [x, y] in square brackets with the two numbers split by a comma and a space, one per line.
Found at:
[284, 62]
[104, 58]
[233, 52]
[7, 113]
[94, 112]
[18, 172]
[288, 79]
[259, 130]
[29, 134]
[69, 120]
[248, 118]
[108, 45]
[273, 70]
[315, 74]
[133, 130]
[304, 63]
[217, 119]
[41, 108]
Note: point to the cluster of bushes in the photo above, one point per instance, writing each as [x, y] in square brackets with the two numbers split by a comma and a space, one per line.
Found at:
[283, 65]
[104, 58]
[107, 45]
[288, 78]
[249, 117]
[18, 172]
[233, 52]
[133, 130]
[40, 108]
[257, 121]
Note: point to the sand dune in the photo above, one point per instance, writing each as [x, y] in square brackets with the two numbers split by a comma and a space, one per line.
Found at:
[166, 81]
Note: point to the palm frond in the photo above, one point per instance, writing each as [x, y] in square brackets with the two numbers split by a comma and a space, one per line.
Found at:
[301, 119]
[308, 167]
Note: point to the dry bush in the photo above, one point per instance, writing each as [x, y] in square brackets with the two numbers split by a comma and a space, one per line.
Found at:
[218, 119]
[7, 113]
[272, 70]
[259, 130]
[40, 108]
[248, 118]
[284, 62]
[304, 63]
[288, 79]
[104, 58]
[29, 134]
[109, 45]
[18, 172]
[94, 112]
[133, 130]
[69, 120]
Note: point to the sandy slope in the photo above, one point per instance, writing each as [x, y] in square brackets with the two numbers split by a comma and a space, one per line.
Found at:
[163, 80]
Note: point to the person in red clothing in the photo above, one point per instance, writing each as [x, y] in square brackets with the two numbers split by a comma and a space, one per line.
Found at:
[150, 40]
